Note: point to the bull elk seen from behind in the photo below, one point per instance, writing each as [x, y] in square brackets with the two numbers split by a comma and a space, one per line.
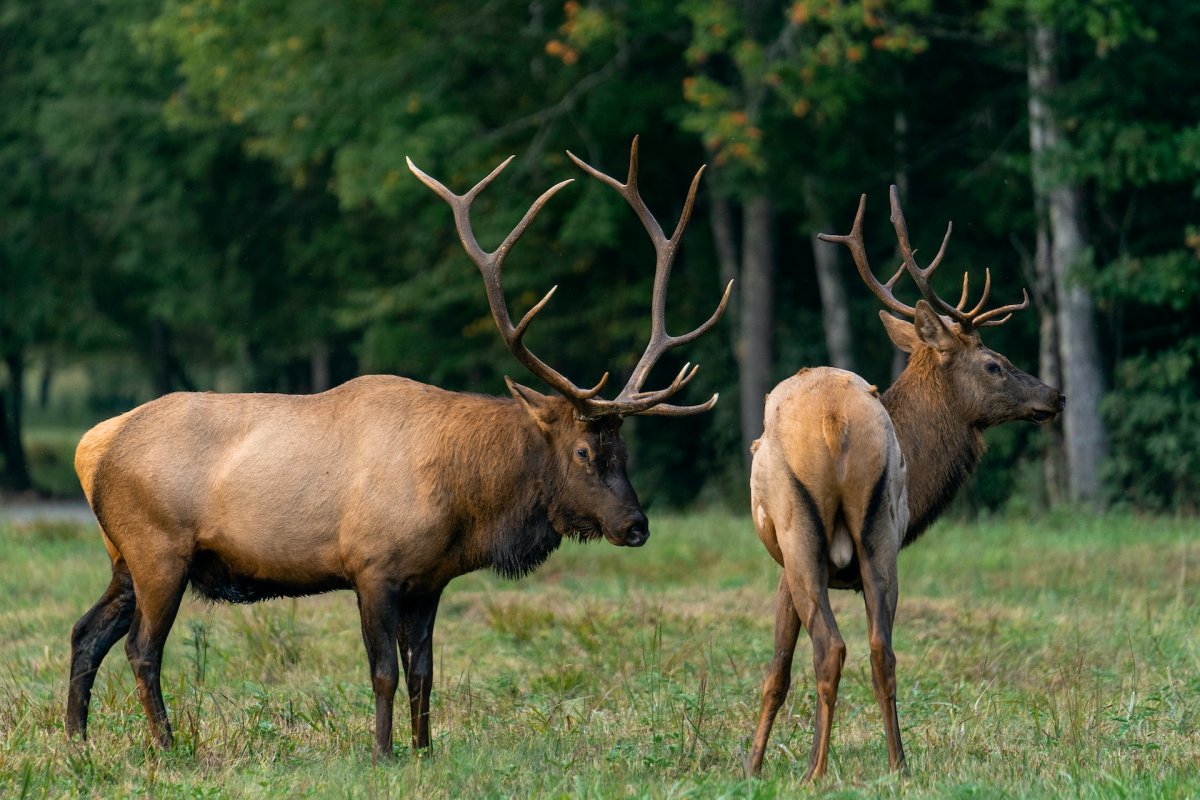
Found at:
[831, 496]
[382, 485]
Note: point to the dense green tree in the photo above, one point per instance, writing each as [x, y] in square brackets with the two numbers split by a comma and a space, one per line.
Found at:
[219, 191]
[354, 91]
[44, 248]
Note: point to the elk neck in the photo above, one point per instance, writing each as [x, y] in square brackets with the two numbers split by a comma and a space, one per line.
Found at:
[496, 477]
[941, 447]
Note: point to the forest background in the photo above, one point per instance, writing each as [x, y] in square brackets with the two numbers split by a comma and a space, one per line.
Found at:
[212, 194]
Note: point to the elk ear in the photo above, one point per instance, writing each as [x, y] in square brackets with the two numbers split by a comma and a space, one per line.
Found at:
[537, 405]
[932, 331]
[902, 333]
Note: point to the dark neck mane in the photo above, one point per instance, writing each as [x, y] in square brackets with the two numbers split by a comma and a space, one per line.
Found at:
[940, 448]
[501, 514]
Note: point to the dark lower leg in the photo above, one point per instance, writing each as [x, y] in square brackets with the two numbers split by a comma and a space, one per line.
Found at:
[152, 621]
[378, 612]
[883, 674]
[416, 652]
[879, 596]
[880, 593]
[92, 637]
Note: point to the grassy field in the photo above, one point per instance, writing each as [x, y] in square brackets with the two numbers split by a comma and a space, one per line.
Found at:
[1056, 658]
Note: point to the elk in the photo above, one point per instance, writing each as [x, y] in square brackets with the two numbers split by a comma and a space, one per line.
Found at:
[842, 479]
[382, 485]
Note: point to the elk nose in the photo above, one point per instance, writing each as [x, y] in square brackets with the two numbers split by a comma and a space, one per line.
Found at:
[1062, 401]
[637, 532]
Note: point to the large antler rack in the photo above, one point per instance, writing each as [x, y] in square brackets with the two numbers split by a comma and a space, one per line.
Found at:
[632, 400]
[967, 320]
[491, 267]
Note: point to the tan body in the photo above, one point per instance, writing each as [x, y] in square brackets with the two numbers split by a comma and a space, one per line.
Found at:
[304, 493]
[828, 491]
[383, 485]
[841, 480]
[817, 423]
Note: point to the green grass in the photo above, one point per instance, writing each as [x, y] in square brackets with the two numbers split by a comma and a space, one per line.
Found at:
[1056, 658]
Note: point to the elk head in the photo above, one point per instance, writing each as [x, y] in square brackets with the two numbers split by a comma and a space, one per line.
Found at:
[581, 429]
[982, 386]
[593, 496]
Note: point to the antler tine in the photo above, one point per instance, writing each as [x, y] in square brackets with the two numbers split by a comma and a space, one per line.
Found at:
[988, 318]
[491, 267]
[854, 241]
[632, 400]
[668, 410]
[921, 277]
[968, 320]
[640, 402]
[962, 298]
[987, 289]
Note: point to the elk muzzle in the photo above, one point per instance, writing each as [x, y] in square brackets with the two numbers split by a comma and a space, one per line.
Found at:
[1049, 408]
[634, 532]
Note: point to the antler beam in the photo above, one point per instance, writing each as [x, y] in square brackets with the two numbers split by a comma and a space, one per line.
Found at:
[632, 399]
[967, 320]
[491, 266]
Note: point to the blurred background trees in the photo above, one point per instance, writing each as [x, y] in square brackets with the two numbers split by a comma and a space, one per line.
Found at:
[202, 194]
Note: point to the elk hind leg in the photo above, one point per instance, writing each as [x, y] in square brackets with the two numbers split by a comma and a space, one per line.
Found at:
[91, 638]
[779, 674]
[829, 654]
[805, 558]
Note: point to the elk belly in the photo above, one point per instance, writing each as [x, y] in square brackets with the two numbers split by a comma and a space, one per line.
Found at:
[841, 549]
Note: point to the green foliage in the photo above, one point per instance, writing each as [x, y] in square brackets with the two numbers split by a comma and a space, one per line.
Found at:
[1153, 415]
[214, 194]
[767, 73]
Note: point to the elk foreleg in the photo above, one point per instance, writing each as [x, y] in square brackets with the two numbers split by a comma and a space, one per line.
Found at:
[378, 614]
[92, 637]
[415, 631]
[880, 593]
[158, 592]
[779, 674]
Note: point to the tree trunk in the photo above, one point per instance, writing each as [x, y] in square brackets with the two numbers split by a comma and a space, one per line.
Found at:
[1079, 352]
[1049, 362]
[318, 363]
[160, 358]
[1054, 465]
[46, 382]
[12, 400]
[720, 217]
[900, 151]
[835, 309]
[757, 320]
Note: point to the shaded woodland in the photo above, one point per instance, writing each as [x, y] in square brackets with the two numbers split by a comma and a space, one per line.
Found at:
[205, 194]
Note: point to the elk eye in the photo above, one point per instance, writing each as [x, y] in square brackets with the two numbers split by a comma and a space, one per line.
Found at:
[993, 368]
[582, 454]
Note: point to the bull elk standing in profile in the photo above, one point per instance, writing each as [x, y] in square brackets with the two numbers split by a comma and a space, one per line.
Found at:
[832, 500]
[382, 485]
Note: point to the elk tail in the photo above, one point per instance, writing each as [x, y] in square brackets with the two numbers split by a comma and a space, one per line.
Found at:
[836, 429]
